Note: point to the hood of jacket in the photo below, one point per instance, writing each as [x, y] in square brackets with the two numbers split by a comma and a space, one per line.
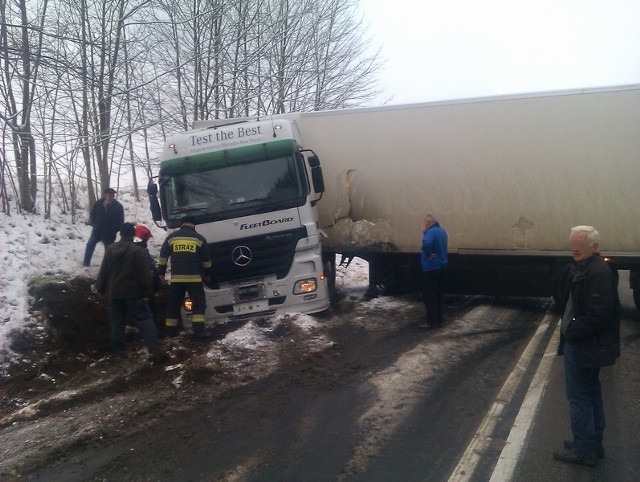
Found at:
[122, 250]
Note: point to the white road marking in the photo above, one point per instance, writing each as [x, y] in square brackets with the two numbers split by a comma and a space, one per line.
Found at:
[482, 438]
[516, 442]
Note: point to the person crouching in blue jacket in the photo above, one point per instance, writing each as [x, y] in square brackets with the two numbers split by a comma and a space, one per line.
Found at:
[434, 262]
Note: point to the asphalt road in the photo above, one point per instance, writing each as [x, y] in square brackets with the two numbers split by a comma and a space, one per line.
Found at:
[388, 401]
[396, 403]
[621, 396]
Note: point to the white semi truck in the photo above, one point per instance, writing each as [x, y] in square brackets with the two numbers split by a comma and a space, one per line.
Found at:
[507, 177]
[253, 192]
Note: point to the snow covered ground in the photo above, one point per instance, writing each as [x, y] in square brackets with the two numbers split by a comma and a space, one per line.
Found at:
[31, 246]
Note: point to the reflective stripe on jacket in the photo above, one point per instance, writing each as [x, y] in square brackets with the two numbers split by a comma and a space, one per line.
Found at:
[189, 253]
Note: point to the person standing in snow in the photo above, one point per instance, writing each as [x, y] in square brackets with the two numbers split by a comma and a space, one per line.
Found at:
[141, 238]
[190, 263]
[125, 279]
[434, 261]
[106, 218]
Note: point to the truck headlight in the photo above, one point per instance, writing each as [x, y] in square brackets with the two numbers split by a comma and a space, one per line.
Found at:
[305, 286]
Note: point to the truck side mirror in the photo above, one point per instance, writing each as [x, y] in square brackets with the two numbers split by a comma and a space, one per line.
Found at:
[314, 161]
[316, 174]
[154, 204]
[318, 179]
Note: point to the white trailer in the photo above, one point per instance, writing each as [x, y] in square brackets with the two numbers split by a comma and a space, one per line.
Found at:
[507, 177]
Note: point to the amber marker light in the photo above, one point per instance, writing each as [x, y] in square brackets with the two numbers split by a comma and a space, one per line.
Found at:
[305, 286]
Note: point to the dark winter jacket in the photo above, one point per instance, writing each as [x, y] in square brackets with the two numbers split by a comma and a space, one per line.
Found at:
[591, 320]
[155, 276]
[189, 253]
[434, 249]
[124, 273]
[106, 219]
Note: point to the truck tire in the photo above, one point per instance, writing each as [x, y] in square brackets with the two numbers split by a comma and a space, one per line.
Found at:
[616, 274]
[634, 284]
[560, 285]
[329, 264]
[383, 278]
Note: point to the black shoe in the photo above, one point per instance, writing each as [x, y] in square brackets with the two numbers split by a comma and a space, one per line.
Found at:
[573, 457]
[429, 326]
[199, 335]
[568, 444]
[369, 295]
[171, 331]
[159, 356]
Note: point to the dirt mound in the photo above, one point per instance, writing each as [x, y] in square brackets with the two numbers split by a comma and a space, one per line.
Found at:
[72, 311]
[69, 319]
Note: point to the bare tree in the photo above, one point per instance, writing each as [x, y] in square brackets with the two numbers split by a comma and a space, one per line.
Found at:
[88, 87]
[343, 74]
[83, 126]
[20, 69]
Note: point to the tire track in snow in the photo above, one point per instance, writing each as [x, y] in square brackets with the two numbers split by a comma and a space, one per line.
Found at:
[406, 383]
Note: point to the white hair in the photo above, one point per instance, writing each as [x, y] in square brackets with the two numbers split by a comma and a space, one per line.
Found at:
[593, 236]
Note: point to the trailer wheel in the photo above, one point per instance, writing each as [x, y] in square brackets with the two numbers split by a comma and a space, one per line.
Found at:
[634, 284]
[560, 285]
[614, 271]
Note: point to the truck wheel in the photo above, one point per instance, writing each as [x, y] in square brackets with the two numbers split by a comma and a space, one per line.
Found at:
[330, 273]
[634, 282]
[560, 286]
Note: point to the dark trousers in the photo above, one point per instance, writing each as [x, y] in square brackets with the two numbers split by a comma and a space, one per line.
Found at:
[585, 403]
[176, 298]
[93, 240]
[433, 295]
[134, 312]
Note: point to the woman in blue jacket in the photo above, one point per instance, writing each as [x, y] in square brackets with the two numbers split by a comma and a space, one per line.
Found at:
[434, 262]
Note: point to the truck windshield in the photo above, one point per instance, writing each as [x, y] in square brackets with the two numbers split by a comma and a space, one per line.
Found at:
[227, 191]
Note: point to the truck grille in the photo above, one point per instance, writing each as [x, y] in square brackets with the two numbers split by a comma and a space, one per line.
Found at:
[271, 254]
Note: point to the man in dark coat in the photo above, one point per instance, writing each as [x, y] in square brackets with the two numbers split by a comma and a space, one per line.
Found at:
[141, 238]
[106, 218]
[590, 340]
[125, 279]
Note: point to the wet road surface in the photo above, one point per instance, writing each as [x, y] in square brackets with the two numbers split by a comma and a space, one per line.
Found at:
[365, 395]
[386, 401]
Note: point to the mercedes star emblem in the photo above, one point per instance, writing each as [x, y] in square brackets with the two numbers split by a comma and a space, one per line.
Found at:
[241, 255]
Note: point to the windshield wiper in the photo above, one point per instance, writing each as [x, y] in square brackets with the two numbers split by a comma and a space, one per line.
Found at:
[269, 203]
[190, 208]
[282, 203]
[247, 201]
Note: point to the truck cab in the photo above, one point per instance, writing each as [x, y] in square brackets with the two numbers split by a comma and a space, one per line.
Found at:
[253, 191]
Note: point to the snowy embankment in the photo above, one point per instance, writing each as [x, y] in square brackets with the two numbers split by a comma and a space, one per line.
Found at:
[32, 246]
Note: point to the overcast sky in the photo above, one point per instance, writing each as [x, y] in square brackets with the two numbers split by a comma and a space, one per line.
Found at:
[450, 49]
